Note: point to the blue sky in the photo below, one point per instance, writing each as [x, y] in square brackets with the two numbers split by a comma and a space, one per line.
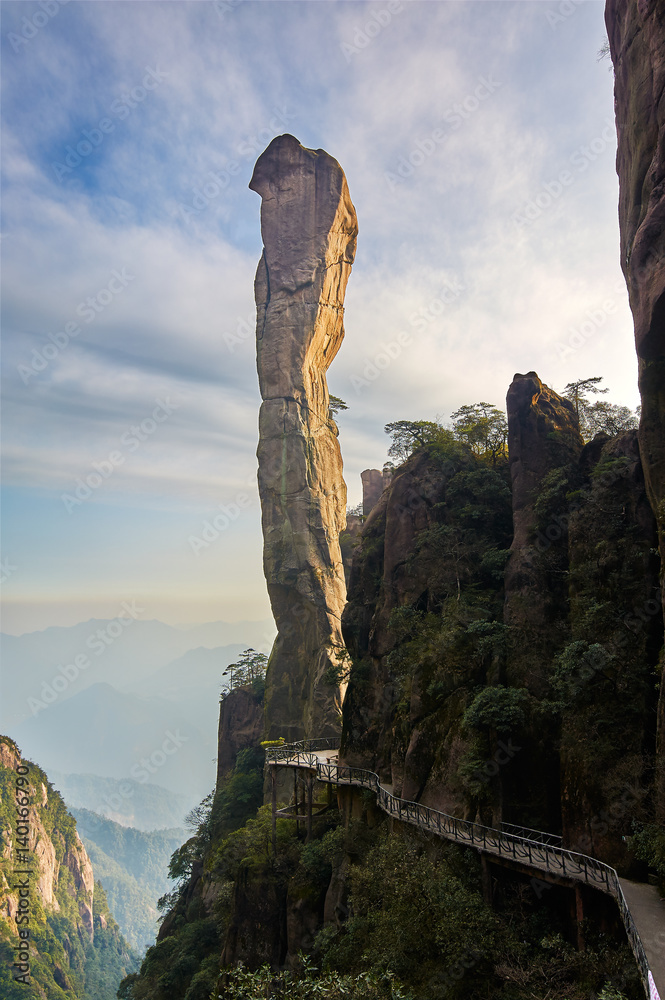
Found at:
[477, 139]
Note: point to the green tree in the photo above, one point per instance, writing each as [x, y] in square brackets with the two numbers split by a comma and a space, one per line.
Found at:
[497, 708]
[250, 666]
[484, 428]
[609, 418]
[578, 392]
[410, 435]
[336, 405]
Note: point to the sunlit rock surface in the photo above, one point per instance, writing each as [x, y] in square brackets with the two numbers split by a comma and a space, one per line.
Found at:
[309, 229]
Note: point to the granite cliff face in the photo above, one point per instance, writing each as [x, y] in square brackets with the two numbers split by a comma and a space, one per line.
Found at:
[240, 728]
[543, 435]
[309, 229]
[636, 32]
[46, 876]
[605, 677]
[512, 681]
[422, 580]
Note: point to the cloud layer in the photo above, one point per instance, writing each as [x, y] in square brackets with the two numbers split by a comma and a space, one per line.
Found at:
[477, 139]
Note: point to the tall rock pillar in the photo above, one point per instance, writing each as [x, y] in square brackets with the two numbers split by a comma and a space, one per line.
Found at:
[543, 436]
[309, 229]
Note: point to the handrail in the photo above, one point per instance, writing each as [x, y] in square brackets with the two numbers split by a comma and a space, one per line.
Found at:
[536, 853]
[543, 838]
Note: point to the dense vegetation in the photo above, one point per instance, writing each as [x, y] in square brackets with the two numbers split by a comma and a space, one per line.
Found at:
[416, 926]
[133, 868]
[64, 962]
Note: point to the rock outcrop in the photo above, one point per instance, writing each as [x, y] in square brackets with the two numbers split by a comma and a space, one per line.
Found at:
[543, 436]
[240, 727]
[606, 675]
[47, 876]
[374, 483]
[636, 32]
[309, 229]
[414, 586]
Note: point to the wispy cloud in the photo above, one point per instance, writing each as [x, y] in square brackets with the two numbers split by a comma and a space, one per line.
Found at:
[223, 87]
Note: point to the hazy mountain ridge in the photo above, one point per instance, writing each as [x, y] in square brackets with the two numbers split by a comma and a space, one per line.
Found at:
[145, 807]
[121, 651]
[138, 700]
[132, 866]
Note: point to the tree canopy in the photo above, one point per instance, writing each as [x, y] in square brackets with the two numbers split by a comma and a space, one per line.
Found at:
[250, 666]
[483, 427]
[599, 417]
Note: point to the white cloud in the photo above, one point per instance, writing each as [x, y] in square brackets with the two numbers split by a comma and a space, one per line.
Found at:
[230, 85]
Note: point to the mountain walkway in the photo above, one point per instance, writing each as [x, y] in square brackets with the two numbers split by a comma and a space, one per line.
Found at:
[641, 909]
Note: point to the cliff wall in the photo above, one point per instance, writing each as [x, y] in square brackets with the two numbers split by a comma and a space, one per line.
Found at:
[636, 32]
[57, 936]
[503, 632]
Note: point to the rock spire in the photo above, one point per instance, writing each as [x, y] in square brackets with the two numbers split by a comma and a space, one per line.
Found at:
[309, 228]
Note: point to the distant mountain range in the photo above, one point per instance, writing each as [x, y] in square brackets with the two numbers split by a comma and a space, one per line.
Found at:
[124, 699]
[133, 868]
[120, 651]
[145, 807]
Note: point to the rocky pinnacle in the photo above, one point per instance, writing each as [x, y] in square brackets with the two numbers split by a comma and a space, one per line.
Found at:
[309, 228]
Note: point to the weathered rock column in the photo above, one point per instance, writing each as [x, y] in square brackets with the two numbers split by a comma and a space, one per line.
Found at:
[543, 435]
[309, 230]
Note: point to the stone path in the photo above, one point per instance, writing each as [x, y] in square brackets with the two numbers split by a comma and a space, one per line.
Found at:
[648, 911]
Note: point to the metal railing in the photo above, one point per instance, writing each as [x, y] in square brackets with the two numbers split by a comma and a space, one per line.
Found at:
[533, 848]
[530, 834]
